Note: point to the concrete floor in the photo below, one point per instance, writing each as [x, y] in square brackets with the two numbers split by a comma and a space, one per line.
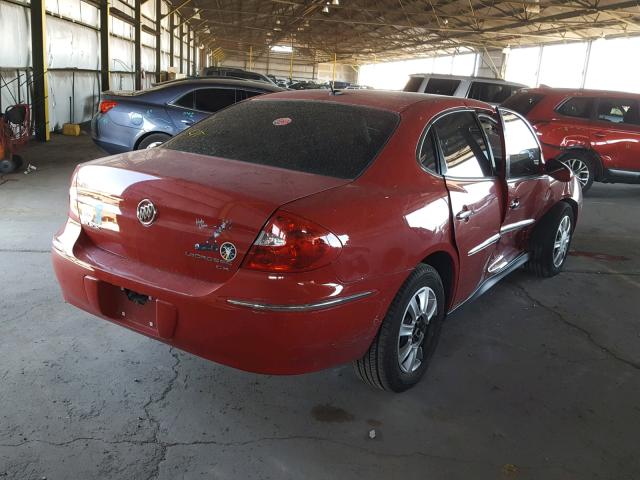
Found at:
[539, 379]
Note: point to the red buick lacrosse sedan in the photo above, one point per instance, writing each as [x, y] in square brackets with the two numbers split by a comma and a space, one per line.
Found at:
[301, 230]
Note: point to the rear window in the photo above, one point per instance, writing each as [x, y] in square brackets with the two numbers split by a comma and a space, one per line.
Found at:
[322, 138]
[413, 85]
[522, 102]
[491, 92]
[579, 107]
[442, 86]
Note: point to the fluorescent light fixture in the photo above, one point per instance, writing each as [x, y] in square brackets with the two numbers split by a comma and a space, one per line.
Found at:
[282, 48]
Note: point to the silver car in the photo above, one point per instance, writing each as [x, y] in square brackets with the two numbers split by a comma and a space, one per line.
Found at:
[490, 90]
[143, 119]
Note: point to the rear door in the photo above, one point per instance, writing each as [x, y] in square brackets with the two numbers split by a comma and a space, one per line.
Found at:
[474, 192]
[198, 104]
[615, 133]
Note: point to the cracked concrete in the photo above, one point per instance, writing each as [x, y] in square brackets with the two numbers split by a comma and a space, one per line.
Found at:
[537, 379]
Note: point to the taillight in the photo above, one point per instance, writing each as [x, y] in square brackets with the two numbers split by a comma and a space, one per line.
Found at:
[107, 105]
[289, 243]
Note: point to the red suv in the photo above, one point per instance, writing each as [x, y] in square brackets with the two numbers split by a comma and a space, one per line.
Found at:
[596, 133]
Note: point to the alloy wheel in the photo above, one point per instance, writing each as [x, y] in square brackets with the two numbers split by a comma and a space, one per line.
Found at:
[580, 170]
[422, 307]
[561, 243]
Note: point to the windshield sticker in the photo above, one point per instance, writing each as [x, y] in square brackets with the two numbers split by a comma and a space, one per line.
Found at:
[279, 122]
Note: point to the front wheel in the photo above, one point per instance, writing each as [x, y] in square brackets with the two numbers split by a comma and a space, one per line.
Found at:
[550, 241]
[400, 353]
[582, 166]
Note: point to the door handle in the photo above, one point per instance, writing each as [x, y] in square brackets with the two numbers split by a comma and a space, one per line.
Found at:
[464, 214]
[599, 135]
[515, 203]
[188, 123]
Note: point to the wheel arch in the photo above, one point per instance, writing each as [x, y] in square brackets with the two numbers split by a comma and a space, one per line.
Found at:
[597, 161]
[446, 267]
[147, 134]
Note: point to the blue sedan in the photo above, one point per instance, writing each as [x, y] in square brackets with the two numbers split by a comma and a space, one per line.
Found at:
[143, 119]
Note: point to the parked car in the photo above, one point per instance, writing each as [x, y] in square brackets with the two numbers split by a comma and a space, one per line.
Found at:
[490, 90]
[144, 119]
[237, 73]
[596, 133]
[301, 230]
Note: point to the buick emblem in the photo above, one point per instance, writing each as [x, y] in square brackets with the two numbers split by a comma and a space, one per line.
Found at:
[228, 251]
[146, 212]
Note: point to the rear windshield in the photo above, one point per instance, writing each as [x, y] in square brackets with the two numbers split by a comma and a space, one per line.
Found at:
[522, 102]
[323, 138]
[413, 85]
[442, 86]
[491, 92]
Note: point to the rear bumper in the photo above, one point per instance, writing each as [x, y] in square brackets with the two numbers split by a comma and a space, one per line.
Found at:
[268, 337]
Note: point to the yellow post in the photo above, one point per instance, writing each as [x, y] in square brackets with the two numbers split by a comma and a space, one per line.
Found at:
[291, 62]
[335, 59]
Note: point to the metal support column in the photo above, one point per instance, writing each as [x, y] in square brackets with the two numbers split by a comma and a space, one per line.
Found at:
[105, 73]
[172, 29]
[188, 50]
[40, 80]
[158, 39]
[137, 45]
[181, 35]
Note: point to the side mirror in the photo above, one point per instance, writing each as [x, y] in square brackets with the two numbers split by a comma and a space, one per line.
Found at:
[558, 170]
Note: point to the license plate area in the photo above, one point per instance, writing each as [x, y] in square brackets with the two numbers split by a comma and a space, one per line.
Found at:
[133, 309]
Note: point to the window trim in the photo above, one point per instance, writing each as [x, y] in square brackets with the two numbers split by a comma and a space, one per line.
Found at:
[440, 162]
[507, 161]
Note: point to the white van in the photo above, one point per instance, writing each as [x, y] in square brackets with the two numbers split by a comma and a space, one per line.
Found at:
[490, 90]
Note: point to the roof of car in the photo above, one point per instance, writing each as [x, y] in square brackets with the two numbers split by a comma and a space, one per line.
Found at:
[220, 81]
[465, 77]
[383, 99]
[579, 92]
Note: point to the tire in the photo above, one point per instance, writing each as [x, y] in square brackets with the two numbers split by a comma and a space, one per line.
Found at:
[153, 140]
[17, 160]
[546, 256]
[583, 166]
[382, 366]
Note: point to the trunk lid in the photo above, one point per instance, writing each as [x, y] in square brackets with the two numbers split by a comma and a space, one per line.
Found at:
[209, 210]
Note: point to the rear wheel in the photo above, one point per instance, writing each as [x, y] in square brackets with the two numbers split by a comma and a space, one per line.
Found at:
[582, 166]
[550, 241]
[153, 140]
[400, 353]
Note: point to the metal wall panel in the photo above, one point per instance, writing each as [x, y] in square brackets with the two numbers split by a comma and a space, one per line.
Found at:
[15, 36]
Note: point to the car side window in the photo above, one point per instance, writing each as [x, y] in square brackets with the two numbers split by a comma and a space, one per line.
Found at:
[490, 92]
[618, 110]
[442, 86]
[579, 107]
[522, 148]
[244, 94]
[427, 154]
[463, 147]
[186, 100]
[214, 99]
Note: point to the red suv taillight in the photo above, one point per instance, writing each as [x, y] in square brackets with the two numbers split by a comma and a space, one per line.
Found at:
[107, 105]
[289, 243]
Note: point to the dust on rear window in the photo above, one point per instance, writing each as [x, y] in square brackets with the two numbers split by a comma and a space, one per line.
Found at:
[323, 138]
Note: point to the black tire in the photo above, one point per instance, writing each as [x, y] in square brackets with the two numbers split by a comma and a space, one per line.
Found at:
[380, 366]
[581, 163]
[151, 139]
[543, 239]
[17, 160]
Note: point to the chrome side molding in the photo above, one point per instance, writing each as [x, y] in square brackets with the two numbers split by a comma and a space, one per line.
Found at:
[331, 302]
